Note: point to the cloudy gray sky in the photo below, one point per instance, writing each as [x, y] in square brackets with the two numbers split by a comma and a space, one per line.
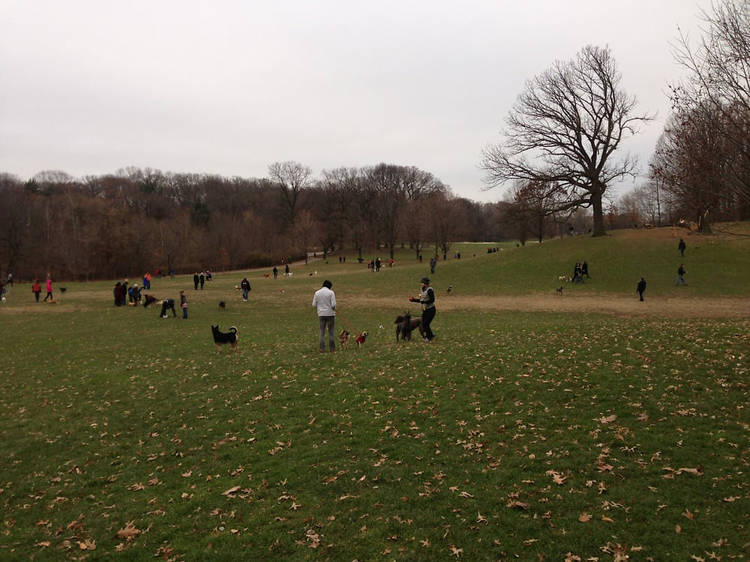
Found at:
[229, 87]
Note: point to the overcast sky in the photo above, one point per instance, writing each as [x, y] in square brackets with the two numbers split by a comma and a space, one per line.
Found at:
[229, 87]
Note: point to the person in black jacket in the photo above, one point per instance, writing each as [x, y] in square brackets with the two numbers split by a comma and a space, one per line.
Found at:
[641, 287]
[196, 280]
[427, 300]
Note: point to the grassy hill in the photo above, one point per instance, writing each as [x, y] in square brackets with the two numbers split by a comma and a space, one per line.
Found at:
[515, 434]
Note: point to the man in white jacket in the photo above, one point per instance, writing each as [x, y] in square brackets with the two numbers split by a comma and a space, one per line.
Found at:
[325, 302]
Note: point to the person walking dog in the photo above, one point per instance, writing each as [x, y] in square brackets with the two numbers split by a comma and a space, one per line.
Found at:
[427, 300]
[324, 301]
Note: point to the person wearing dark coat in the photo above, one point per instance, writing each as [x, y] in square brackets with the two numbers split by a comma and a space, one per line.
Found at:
[196, 280]
[427, 300]
[641, 287]
[202, 279]
[681, 247]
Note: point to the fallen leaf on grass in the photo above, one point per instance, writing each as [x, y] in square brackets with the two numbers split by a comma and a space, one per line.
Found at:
[87, 544]
[231, 491]
[584, 517]
[128, 532]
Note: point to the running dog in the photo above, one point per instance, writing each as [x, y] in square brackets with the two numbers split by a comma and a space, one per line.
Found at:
[405, 324]
[222, 338]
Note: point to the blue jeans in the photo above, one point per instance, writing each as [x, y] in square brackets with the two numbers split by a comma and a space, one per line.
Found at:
[327, 321]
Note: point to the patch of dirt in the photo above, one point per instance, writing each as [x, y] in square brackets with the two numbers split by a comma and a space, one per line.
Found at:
[660, 307]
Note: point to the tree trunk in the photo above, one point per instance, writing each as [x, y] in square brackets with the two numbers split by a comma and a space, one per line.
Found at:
[596, 204]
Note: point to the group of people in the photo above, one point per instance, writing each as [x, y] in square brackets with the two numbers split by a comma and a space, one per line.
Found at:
[580, 270]
[324, 301]
[200, 278]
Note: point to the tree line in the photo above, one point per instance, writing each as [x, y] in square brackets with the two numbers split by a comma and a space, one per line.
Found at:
[139, 220]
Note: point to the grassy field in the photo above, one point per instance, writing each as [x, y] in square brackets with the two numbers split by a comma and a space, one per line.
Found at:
[518, 433]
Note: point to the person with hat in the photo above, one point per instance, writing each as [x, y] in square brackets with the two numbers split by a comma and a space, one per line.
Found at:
[324, 301]
[427, 300]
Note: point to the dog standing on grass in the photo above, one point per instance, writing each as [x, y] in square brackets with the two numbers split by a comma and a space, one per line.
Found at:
[224, 338]
[405, 324]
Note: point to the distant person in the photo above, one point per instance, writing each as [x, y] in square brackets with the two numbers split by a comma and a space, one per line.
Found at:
[275, 272]
[433, 264]
[167, 304]
[286, 269]
[10, 278]
[117, 291]
[48, 286]
[427, 300]
[36, 288]
[196, 280]
[641, 287]
[202, 279]
[245, 288]
[681, 276]
[183, 305]
[681, 247]
[585, 269]
[324, 301]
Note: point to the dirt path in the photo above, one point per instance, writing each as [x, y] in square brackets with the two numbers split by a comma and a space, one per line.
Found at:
[725, 307]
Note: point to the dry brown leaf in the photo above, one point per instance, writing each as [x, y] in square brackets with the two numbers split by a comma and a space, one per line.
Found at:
[584, 517]
[87, 544]
[128, 531]
[231, 491]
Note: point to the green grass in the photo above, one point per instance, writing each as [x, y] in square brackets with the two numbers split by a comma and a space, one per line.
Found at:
[490, 443]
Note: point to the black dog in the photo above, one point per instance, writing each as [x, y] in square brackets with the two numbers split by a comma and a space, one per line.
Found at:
[222, 338]
[148, 299]
[405, 324]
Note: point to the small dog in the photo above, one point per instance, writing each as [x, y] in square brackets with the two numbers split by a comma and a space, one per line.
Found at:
[343, 338]
[450, 289]
[559, 290]
[148, 299]
[405, 324]
[223, 338]
[361, 339]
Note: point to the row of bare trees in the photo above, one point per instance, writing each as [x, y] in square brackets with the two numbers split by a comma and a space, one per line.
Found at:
[139, 220]
[700, 170]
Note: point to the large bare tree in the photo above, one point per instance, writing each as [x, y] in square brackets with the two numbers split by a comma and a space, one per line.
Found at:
[292, 178]
[717, 87]
[564, 130]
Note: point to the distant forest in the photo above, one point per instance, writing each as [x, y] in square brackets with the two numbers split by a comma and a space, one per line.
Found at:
[139, 220]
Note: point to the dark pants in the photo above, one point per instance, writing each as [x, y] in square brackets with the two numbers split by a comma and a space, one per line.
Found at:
[49, 296]
[640, 293]
[427, 315]
[36, 294]
[168, 304]
[327, 321]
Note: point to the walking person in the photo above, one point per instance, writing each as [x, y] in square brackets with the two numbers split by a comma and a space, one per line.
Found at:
[427, 300]
[433, 264]
[196, 280]
[183, 305]
[641, 287]
[275, 272]
[49, 289]
[681, 247]
[10, 279]
[36, 288]
[324, 301]
[286, 269]
[245, 286]
[681, 275]
[202, 279]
